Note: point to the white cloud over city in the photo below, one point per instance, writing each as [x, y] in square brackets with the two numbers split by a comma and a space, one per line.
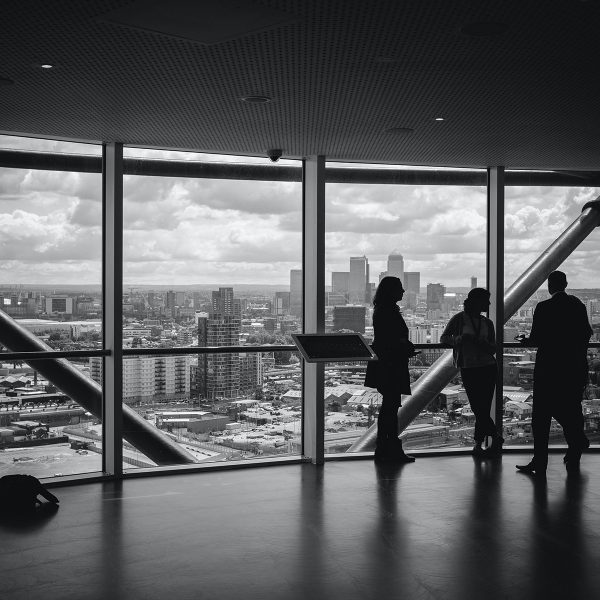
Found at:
[200, 231]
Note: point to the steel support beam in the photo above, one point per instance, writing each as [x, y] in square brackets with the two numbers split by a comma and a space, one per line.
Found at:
[313, 273]
[433, 381]
[67, 378]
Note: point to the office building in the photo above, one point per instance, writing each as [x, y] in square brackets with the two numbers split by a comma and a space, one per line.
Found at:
[350, 318]
[296, 292]
[435, 296]
[412, 282]
[359, 291]
[395, 265]
[339, 283]
[473, 282]
[281, 304]
[59, 305]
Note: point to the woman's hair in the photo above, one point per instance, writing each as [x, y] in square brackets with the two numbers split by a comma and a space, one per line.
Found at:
[385, 290]
[474, 296]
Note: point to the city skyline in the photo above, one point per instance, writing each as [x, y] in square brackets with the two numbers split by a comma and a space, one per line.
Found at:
[225, 232]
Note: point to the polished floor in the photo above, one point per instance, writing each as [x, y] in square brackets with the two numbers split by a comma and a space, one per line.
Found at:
[441, 528]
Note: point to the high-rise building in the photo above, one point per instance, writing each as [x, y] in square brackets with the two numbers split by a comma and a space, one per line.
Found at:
[395, 265]
[218, 375]
[171, 302]
[412, 281]
[281, 304]
[296, 292]
[412, 286]
[435, 296]
[351, 318]
[339, 283]
[473, 282]
[358, 289]
[223, 303]
[180, 298]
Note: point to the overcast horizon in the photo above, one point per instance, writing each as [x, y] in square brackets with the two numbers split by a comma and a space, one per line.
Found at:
[187, 232]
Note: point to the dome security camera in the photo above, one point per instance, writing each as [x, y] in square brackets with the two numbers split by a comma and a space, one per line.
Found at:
[274, 154]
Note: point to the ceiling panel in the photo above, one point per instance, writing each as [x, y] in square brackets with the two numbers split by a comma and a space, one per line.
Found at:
[341, 74]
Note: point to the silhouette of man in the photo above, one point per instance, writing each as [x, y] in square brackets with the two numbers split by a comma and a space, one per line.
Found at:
[561, 332]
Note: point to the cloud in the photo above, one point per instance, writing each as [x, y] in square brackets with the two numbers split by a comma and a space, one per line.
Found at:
[199, 230]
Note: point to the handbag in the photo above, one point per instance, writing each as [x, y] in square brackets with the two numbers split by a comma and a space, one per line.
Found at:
[371, 374]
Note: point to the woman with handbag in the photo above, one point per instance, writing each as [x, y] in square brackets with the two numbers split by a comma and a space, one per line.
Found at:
[472, 338]
[389, 373]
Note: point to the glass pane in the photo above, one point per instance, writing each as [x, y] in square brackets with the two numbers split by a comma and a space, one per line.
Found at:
[51, 235]
[43, 431]
[222, 256]
[434, 239]
[535, 217]
[191, 400]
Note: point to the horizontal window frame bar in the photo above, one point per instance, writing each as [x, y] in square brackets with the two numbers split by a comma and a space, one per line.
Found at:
[47, 161]
[51, 354]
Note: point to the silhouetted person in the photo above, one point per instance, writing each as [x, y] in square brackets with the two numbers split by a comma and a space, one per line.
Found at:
[19, 493]
[561, 332]
[389, 374]
[473, 341]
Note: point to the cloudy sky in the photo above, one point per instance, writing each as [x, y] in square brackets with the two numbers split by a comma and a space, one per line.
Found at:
[199, 231]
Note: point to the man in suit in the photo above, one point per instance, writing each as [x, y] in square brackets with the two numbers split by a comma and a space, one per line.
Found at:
[561, 332]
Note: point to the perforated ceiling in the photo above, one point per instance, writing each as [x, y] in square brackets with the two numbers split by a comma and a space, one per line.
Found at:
[341, 75]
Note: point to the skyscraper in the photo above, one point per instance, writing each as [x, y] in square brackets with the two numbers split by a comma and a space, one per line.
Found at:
[339, 283]
[395, 265]
[435, 296]
[296, 292]
[412, 281]
[358, 289]
[412, 285]
[473, 282]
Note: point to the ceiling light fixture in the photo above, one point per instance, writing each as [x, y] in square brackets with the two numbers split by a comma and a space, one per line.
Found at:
[47, 66]
[257, 99]
[439, 119]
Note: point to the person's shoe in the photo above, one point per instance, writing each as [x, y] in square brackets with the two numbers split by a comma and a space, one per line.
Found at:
[477, 450]
[531, 469]
[495, 448]
[573, 466]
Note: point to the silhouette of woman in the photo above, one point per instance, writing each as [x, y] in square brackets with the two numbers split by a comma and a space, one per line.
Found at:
[389, 374]
[472, 338]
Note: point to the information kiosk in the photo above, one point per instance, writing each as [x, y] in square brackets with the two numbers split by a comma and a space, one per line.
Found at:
[333, 347]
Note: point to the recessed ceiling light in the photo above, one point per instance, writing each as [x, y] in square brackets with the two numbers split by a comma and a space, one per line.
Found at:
[439, 119]
[484, 29]
[47, 66]
[257, 99]
[399, 130]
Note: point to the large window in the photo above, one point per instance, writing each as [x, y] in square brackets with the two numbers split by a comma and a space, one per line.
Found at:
[51, 291]
[213, 263]
[433, 237]
[535, 217]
